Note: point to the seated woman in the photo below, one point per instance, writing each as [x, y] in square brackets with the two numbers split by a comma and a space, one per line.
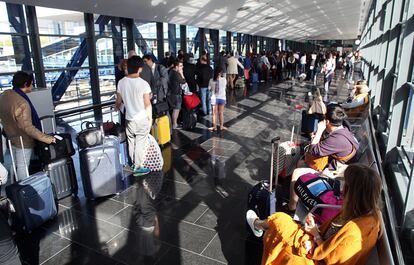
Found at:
[346, 239]
[338, 146]
[358, 100]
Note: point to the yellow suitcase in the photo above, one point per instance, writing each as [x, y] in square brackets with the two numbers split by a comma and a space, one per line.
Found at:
[167, 156]
[161, 130]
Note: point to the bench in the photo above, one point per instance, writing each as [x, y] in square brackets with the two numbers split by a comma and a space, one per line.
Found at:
[362, 129]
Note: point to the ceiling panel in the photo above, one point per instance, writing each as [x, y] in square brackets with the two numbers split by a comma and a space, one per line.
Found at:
[287, 19]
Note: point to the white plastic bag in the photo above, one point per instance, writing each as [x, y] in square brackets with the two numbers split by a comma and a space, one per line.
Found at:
[153, 157]
[3, 174]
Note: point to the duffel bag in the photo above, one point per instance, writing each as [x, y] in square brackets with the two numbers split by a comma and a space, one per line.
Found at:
[191, 101]
[115, 129]
[90, 136]
[51, 152]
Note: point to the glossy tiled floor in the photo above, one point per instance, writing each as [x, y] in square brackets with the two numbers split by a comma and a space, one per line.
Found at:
[192, 214]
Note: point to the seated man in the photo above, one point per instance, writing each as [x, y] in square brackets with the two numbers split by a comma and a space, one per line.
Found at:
[339, 146]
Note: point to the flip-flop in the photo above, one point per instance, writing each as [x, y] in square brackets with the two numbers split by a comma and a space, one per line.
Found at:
[212, 129]
[251, 216]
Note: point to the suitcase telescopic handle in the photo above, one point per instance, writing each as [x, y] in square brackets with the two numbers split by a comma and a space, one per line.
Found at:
[14, 161]
[274, 141]
[52, 117]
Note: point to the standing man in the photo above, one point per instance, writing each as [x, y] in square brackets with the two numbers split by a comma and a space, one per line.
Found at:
[204, 73]
[159, 82]
[135, 93]
[19, 118]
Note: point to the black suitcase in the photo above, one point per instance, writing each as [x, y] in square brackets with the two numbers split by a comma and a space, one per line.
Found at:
[61, 149]
[101, 168]
[262, 197]
[63, 177]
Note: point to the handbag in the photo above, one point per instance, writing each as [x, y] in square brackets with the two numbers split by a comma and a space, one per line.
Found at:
[160, 109]
[115, 129]
[191, 101]
[318, 163]
[317, 106]
[153, 157]
[90, 136]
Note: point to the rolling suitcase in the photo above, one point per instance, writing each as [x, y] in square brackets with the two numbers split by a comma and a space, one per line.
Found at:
[101, 168]
[262, 197]
[33, 199]
[61, 149]
[161, 130]
[289, 153]
[63, 177]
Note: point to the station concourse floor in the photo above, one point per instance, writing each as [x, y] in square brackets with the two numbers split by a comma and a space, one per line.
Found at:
[197, 208]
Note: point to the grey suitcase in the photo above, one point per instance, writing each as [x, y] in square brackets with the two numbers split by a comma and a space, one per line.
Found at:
[101, 168]
[63, 177]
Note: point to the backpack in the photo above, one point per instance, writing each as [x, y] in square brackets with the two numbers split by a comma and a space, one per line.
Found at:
[314, 189]
[189, 119]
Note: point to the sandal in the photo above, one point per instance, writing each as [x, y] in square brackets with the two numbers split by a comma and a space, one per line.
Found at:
[212, 129]
[251, 216]
[222, 128]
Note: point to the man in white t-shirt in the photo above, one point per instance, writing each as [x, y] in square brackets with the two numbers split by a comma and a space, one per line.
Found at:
[135, 93]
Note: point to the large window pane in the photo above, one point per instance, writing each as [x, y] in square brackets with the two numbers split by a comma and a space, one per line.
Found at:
[78, 92]
[12, 52]
[53, 21]
[5, 82]
[58, 51]
[107, 82]
[104, 51]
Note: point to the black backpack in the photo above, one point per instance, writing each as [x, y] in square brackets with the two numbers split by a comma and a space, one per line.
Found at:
[189, 119]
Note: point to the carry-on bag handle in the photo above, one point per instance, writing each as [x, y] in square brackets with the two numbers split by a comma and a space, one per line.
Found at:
[52, 117]
[14, 161]
[274, 141]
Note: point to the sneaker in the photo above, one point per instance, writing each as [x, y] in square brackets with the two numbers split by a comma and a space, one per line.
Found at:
[141, 171]
[251, 216]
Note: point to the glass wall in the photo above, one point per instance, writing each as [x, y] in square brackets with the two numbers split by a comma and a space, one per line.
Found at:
[63, 49]
[388, 55]
[14, 44]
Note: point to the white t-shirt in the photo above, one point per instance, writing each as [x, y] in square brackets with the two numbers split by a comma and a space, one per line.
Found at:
[221, 93]
[303, 59]
[132, 91]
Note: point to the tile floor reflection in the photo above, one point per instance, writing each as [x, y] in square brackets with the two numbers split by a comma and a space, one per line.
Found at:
[193, 213]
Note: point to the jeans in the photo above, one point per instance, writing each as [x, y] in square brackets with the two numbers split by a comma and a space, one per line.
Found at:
[137, 132]
[205, 100]
[20, 155]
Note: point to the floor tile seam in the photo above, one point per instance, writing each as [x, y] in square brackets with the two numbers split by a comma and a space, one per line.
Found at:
[123, 230]
[94, 217]
[126, 206]
[94, 250]
[209, 243]
[178, 199]
[206, 210]
[189, 223]
[57, 253]
[192, 252]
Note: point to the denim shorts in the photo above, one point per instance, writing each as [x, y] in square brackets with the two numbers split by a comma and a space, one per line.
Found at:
[218, 101]
[179, 102]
